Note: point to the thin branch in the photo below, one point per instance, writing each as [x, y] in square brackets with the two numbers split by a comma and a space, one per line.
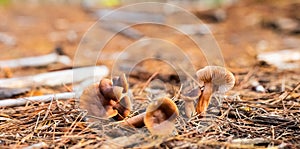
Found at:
[45, 98]
[57, 78]
[36, 61]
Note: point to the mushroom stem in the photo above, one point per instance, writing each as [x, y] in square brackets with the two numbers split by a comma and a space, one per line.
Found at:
[136, 121]
[189, 108]
[204, 99]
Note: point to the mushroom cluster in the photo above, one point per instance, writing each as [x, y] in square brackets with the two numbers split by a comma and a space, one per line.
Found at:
[107, 99]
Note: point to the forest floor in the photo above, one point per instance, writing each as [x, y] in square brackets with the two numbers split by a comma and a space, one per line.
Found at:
[249, 118]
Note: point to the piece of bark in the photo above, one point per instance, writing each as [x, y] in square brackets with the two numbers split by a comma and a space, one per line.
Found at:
[57, 77]
[11, 92]
[45, 98]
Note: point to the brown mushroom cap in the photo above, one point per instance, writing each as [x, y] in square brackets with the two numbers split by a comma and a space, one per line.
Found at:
[122, 82]
[95, 104]
[106, 100]
[106, 89]
[221, 79]
[123, 108]
[110, 90]
[160, 116]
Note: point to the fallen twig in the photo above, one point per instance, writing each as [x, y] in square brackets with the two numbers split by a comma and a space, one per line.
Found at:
[57, 78]
[36, 61]
[10, 92]
[45, 98]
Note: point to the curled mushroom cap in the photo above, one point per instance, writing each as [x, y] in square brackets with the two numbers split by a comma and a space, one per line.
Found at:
[106, 100]
[109, 91]
[95, 103]
[122, 82]
[216, 79]
[160, 116]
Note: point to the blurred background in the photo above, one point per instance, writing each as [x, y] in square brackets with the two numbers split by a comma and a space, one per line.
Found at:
[243, 28]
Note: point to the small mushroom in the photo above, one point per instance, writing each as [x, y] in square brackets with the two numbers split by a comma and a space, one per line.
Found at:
[216, 79]
[122, 82]
[189, 98]
[109, 91]
[159, 117]
[106, 100]
[96, 104]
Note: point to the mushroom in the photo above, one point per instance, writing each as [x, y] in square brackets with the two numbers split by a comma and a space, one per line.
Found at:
[215, 79]
[189, 98]
[96, 104]
[121, 81]
[106, 100]
[159, 117]
[110, 91]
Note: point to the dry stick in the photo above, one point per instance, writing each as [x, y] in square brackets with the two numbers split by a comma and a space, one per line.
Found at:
[36, 61]
[37, 121]
[74, 124]
[57, 77]
[11, 92]
[295, 88]
[148, 81]
[48, 110]
[45, 98]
